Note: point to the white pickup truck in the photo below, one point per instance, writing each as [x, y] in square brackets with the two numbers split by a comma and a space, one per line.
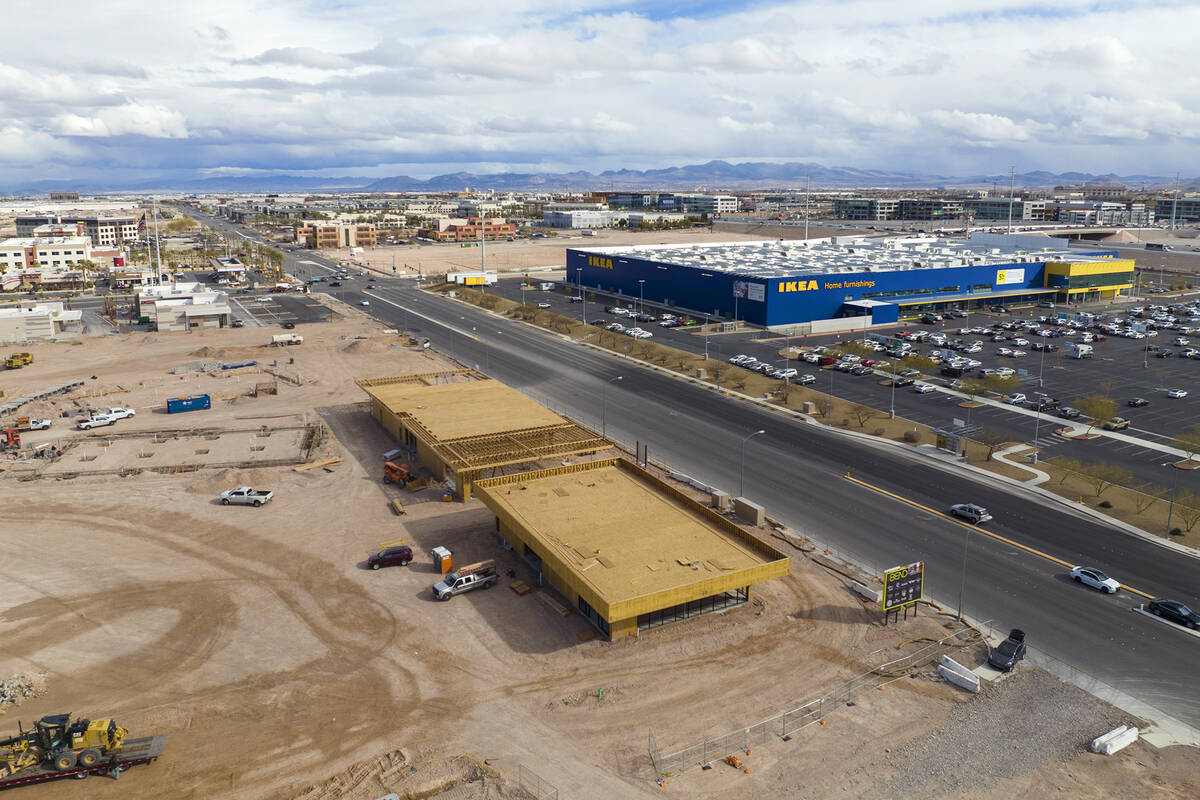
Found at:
[245, 496]
[106, 417]
[464, 579]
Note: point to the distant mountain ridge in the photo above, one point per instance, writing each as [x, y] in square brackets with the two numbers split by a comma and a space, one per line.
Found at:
[711, 176]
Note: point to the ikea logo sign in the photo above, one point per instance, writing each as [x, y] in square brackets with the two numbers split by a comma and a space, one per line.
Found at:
[600, 261]
[796, 286]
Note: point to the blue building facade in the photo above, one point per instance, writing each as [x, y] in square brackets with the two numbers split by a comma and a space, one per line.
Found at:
[805, 297]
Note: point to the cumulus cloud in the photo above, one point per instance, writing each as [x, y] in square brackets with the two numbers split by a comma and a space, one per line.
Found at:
[154, 122]
[363, 85]
[301, 57]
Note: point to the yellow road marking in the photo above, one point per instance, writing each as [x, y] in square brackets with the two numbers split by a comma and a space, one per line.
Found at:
[979, 530]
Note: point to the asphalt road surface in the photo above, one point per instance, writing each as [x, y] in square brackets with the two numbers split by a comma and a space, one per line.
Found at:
[797, 472]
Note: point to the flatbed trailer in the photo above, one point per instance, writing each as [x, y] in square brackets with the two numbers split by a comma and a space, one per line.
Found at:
[134, 752]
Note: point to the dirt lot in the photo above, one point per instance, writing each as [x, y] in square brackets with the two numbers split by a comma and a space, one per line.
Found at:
[279, 667]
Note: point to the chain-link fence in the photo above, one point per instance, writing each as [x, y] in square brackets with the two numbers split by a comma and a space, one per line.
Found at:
[533, 785]
[782, 726]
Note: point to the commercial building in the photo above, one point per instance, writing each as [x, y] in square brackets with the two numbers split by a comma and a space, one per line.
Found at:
[103, 231]
[1099, 213]
[579, 219]
[468, 230]
[182, 307]
[63, 197]
[778, 283]
[463, 426]
[39, 322]
[999, 208]
[325, 235]
[1181, 209]
[706, 203]
[30, 261]
[627, 550]
[874, 209]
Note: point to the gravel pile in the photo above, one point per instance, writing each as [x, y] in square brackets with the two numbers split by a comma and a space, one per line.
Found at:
[1007, 731]
[16, 688]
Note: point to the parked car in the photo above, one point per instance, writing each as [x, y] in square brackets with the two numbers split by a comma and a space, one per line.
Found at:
[1115, 424]
[1175, 612]
[1138, 402]
[1068, 412]
[902, 381]
[1015, 399]
[396, 555]
[94, 421]
[922, 388]
[245, 496]
[1090, 576]
[972, 513]
[287, 325]
[117, 412]
[1005, 656]
[805, 380]
[464, 579]
[861, 369]
[335, 283]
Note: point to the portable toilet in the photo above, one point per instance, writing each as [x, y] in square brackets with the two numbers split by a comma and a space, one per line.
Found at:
[442, 559]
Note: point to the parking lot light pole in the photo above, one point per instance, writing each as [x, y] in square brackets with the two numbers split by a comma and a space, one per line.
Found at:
[641, 296]
[583, 315]
[1037, 426]
[962, 586]
[604, 408]
[742, 468]
[1042, 366]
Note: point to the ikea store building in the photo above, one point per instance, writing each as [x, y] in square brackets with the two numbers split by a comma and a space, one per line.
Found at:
[779, 283]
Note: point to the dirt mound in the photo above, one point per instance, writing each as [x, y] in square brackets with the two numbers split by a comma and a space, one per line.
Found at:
[366, 346]
[215, 482]
[460, 778]
[209, 352]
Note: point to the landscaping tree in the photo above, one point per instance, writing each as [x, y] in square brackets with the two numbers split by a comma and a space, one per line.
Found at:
[1002, 384]
[1146, 496]
[973, 388]
[1097, 407]
[862, 413]
[1189, 441]
[1065, 466]
[1187, 508]
[992, 439]
[824, 406]
[1103, 476]
[858, 348]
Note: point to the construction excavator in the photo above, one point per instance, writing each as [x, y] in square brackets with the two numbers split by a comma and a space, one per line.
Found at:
[56, 742]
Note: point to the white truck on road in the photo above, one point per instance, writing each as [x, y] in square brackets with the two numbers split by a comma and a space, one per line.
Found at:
[245, 496]
[287, 338]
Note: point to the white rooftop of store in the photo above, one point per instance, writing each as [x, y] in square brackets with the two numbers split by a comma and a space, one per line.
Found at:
[778, 258]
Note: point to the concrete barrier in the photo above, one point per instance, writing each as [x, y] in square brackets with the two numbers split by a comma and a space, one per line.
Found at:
[1114, 740]
[957, 674]
[866, 591]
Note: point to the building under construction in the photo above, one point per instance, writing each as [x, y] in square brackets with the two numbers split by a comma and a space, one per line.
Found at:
[629, 551]
[464, 426]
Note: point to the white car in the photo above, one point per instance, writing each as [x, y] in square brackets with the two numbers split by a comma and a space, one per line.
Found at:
[543, 305]
[1177, 393]
[1019, 342]
[1015, 399]
[922, 388]
[1004, 351]
[364, 302]
[1018, 354]
[117, 413]
[96, 421]
[811, 358]
[1005, 372]
[1181, 342]
[1090, 576]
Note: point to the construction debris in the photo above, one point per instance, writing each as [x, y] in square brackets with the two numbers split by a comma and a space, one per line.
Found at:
[20, 686]
[325, 462]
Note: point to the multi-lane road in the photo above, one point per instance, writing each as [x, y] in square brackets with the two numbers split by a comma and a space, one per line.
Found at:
[798, 470]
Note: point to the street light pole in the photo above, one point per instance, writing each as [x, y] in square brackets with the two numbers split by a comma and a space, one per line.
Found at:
[742, 468]
[963, 583]
[1042, 366]
[706, 337]
[1037, 427]
[604, 409]
[641, 296]
[579, 273]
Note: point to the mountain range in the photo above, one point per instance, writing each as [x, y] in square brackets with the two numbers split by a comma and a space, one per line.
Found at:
[711, 176]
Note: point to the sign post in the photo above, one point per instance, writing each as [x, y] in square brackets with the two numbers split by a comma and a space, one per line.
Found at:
[903, 588]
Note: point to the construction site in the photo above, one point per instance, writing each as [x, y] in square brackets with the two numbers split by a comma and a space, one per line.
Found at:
[637, 639]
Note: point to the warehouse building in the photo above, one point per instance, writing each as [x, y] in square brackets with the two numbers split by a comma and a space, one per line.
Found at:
[463, 426]
[627, 550]
[873, 281]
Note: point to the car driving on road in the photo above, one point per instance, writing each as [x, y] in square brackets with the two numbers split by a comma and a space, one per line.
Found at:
[971, 513]
[1090, 576]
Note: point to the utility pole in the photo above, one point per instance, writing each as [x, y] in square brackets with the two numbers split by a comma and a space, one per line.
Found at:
[1175, 202]
[807, 189]
[1012, 175]
[157, 250]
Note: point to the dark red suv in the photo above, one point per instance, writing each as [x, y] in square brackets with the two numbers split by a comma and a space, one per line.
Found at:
[390, 557]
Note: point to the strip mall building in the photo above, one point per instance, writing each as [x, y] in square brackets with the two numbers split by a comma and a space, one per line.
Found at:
[779, 283]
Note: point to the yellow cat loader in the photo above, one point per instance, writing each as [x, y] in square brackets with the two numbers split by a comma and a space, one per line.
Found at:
[59, 746]
[18, 360]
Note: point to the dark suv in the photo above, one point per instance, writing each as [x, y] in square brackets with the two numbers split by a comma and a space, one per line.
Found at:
[398, 556]
[1006, 655]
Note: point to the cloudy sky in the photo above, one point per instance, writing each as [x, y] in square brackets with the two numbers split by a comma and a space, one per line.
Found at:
[122, 91]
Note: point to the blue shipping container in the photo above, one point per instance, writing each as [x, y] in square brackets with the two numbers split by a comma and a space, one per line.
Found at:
[197, 402]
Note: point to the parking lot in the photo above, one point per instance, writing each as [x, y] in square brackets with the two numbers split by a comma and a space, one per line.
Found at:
[279, 309]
